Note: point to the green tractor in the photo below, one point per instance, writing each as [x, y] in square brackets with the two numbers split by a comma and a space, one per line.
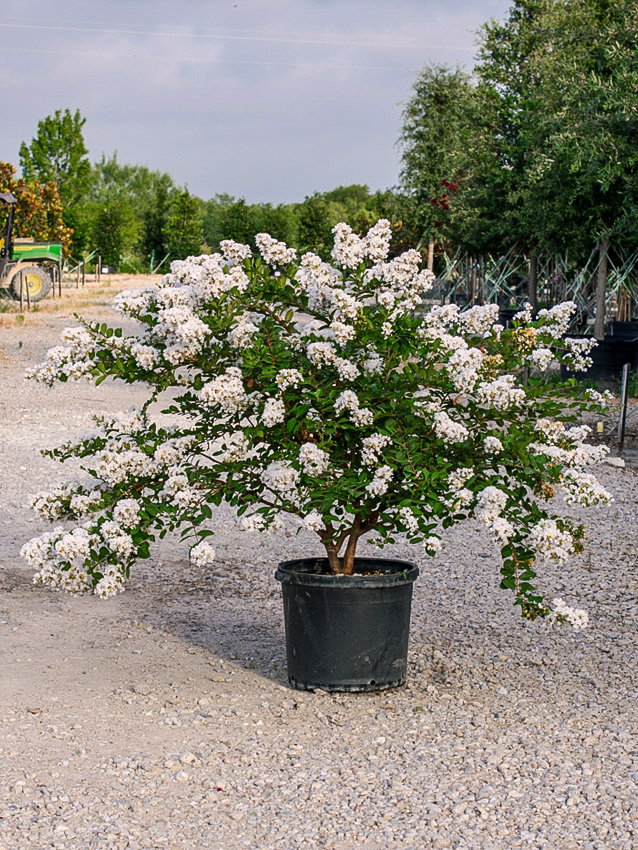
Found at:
[26, 266]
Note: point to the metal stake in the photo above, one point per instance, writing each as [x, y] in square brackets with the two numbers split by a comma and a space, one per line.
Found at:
[623, 408]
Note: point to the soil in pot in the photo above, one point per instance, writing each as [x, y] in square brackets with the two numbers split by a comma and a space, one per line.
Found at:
[347, 633]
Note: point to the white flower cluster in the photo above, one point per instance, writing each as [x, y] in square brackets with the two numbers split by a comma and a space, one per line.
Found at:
[348, 400]
[60, 558]
[202, 555]
[492, 445]
[237, 447]
[541, 358]
[577, 353]
[241, 334]
[127, 513]
[273, 252]
[490, 505]
[179, 492]
[351, 250]
[501, 394]
[274, 412]
[226, 392]
[314, 461]
[562, 613]
[463, 368]
[448, 430]
[314, 521]
[346, 369]
[343, 333]
[557, 318]
[372, 447]
[146, 356]
[286, 378]
[583, 489]
[550, 543]
[280, 476]
[381, 481]
[234, 252]
[479, 320]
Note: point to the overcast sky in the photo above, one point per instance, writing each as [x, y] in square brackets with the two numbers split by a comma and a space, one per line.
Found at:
[269, 100]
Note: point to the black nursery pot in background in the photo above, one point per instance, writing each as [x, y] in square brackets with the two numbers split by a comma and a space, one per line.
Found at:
[347, 633]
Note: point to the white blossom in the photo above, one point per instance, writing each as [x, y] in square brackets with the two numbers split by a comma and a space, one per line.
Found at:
[234, 252]
[313, 460]
[576, 617]
[241, 335]
[381, 481]
[550, 543]
[348, 400]
[372, 447]
[501, 393]
[541, 358]
[492, 445]
[127, 513]
[448, 430]
[226, 391]
[202, 555]
[286, 378]
[274, 412]
[349, 249]
[273, 252]
[314, 521]
[280, 476]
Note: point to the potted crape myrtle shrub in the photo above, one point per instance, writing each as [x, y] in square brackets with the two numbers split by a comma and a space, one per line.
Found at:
[317, 391]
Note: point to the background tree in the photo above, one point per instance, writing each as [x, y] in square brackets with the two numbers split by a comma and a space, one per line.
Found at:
[183, 230]
[58, 154]
[38, 211]
[437, 123]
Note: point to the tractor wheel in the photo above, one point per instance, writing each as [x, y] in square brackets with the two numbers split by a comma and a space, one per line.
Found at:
[35, 278]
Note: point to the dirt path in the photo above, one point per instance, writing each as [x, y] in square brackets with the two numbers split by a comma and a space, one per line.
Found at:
[162, 719]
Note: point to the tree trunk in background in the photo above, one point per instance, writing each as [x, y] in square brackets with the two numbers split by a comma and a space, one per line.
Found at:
[431, 257]
[532, 283]
[601, 287]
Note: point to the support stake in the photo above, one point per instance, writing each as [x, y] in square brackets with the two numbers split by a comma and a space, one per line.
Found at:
[623, 408]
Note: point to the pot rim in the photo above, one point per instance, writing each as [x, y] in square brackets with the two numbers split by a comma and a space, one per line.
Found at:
[403, 572]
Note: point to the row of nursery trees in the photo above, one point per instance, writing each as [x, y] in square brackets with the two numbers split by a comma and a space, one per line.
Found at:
[537, 149]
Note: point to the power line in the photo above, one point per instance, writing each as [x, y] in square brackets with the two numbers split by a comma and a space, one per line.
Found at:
[217, 37]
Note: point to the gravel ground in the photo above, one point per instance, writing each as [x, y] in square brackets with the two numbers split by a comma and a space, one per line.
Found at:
[162, 718]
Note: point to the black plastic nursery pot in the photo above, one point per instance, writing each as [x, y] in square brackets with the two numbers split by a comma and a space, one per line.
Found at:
[347, 633]
[609, 357]
[623, 330]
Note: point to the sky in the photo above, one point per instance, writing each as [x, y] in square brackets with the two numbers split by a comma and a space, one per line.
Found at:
[269, 100]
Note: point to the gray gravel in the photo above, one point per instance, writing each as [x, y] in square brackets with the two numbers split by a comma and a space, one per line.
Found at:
[162, 718]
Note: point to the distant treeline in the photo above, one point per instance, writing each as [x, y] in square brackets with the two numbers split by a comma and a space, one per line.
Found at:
[137, 219]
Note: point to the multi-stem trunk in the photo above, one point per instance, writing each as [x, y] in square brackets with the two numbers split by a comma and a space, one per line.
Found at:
[345, 565]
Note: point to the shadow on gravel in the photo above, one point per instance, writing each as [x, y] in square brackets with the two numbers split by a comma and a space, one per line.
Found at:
[232, 610]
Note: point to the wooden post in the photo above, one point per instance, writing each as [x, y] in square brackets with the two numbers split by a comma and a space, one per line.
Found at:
[431, 256]
[21, 283]
[83, 271]
[99, 268]
[77, 279]
[28, 295]
[532, 282]
[601, 287]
